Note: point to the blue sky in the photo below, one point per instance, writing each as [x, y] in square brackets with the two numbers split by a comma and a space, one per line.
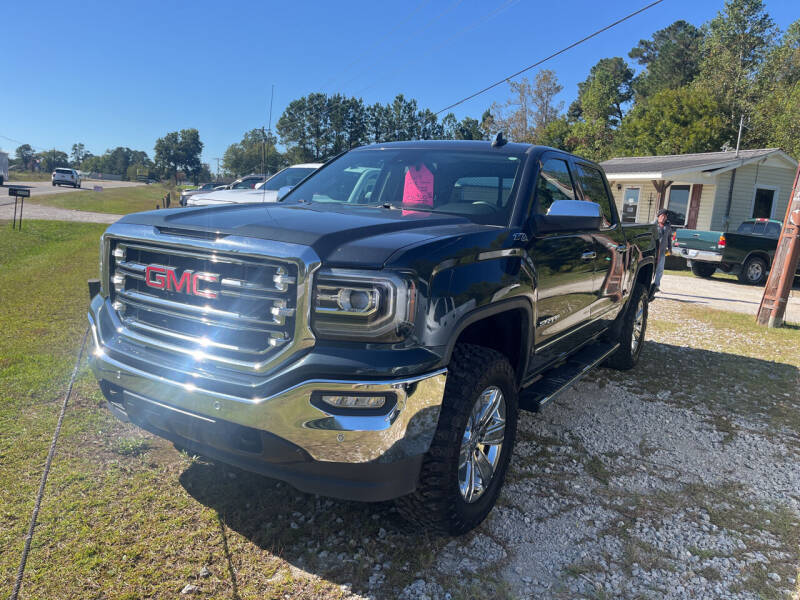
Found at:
[123, 74]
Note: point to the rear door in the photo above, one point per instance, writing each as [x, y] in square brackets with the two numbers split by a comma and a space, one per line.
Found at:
[611, 263]
[564, 263]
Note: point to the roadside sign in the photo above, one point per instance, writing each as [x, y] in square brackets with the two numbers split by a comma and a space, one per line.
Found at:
[19, 195]
[19, 192]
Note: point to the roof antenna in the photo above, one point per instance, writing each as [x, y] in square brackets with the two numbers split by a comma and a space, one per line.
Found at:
[499, 140]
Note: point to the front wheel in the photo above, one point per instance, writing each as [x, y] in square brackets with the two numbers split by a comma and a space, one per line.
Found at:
[463, 472]
[631, 337]
[754, 271]
[704, 270]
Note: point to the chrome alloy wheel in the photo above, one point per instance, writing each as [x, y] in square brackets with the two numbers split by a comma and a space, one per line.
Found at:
[482, 443]
[638, 326]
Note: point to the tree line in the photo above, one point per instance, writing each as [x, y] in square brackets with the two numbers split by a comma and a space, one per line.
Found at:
[694, 88]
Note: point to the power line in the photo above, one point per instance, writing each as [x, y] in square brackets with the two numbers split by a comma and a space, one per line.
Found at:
[536, 64]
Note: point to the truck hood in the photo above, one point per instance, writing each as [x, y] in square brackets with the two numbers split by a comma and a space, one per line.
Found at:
[341, 236]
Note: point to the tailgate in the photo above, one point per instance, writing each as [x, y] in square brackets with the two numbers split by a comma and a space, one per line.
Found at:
[692, 239]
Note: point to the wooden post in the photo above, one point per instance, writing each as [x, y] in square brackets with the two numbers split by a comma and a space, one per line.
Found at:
[784, 264]
[661, 187]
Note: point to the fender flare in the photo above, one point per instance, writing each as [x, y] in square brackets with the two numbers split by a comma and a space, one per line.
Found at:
[492, 310]
[763, 254]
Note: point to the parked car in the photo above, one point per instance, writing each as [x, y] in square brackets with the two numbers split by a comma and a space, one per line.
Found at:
[201, 189]
[376, 344]
[64, 176]
[747, 253]
[270, 190]
[3, 167]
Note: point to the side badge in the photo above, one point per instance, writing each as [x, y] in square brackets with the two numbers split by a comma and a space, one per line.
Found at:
[520, 237]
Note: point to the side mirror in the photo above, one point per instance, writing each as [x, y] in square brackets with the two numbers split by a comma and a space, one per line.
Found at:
[284, 190]
[570, 215]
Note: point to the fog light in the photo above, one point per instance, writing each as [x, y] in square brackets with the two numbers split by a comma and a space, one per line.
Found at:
[344, 401]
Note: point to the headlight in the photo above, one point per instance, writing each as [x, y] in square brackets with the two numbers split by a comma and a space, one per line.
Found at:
[363, 305]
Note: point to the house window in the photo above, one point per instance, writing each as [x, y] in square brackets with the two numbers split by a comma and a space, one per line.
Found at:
[762, 205]
[678, 204]
[630, 205]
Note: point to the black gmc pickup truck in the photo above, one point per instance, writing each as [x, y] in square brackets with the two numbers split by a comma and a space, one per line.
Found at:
[375, 333]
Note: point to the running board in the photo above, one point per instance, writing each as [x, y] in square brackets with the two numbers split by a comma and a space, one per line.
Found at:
[560, 378]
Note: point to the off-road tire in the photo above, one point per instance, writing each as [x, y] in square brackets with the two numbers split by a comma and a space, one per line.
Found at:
[746, 277]
[703, 269]
[626, 355]
[437, 505]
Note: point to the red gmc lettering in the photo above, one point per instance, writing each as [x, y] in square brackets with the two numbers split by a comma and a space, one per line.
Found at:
[178, 285]
[155, 277]
[210, 277]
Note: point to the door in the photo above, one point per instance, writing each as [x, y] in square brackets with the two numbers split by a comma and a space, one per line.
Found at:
[564, 263]
[630, 205]
[611, 264]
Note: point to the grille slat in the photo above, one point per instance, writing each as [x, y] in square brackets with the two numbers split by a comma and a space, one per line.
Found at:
[249, 318]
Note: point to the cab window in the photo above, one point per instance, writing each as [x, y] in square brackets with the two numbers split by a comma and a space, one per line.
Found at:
[773, 230]
[595, 190]
[554, 183]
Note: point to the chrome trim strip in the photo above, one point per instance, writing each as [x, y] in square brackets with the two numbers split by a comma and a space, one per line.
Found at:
[179, 307]
[170, 408]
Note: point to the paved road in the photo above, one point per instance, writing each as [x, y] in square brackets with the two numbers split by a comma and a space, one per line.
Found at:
[722, 294]
[39, 188]
[49, 213]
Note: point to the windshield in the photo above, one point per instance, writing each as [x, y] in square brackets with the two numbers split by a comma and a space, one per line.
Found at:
[291, 177]
[475, 185]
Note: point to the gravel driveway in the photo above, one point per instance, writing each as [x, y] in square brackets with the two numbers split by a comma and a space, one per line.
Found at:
[676, 480]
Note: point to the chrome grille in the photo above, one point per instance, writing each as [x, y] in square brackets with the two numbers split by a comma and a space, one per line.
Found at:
[250, 319]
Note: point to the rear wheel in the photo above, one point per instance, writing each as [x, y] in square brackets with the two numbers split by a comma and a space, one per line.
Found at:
[703, 269]
[634, 326]
[754, 271]
[463, 471]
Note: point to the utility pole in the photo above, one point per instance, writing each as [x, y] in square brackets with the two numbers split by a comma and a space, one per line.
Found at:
[216, 158]
[781, 274]
[739, 137]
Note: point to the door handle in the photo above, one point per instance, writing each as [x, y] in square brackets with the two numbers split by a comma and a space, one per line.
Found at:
[588, 255]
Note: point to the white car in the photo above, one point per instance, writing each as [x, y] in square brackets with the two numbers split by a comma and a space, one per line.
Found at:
[64, 176]
[271, 190]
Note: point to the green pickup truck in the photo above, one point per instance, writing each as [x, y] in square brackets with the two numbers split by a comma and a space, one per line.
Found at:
[747, 253]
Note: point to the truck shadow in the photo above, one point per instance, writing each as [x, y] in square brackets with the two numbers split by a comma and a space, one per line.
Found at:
[337, 540]
[369, 545]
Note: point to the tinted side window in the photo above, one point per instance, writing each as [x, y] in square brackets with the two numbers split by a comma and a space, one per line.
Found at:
[554, 183]
[773, 230]
[594, 190]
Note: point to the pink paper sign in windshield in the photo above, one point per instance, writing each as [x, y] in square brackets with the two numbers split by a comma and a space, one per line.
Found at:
[418, 189]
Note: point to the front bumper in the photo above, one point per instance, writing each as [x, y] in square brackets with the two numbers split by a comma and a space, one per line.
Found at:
[381, 450]
[698, 255]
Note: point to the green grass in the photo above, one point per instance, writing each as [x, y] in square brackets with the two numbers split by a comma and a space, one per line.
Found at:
[119, 201]
[28, 176]
[688, 273]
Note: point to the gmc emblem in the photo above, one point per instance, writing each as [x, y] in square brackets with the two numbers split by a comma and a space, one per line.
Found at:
[164, 278]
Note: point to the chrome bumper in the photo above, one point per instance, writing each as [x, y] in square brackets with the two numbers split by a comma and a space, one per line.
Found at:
[405, 430]
[699, 255]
